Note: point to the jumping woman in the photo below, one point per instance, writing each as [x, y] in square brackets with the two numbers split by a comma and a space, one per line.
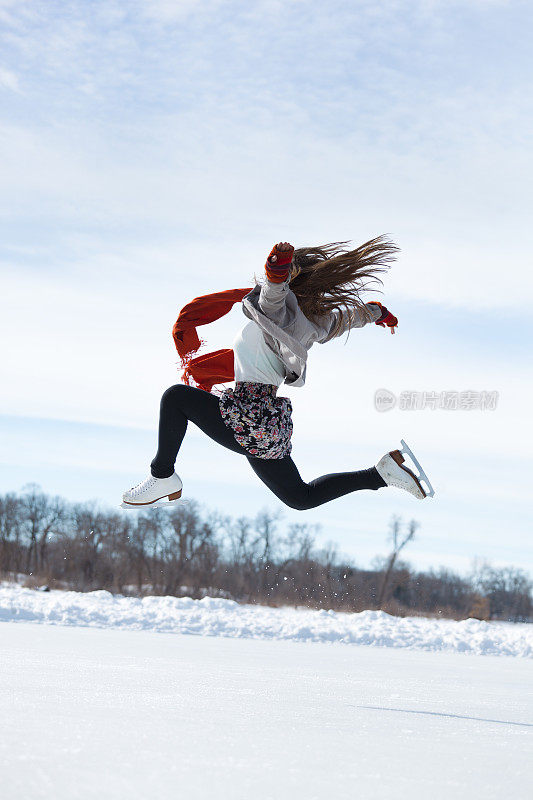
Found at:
[308, 295]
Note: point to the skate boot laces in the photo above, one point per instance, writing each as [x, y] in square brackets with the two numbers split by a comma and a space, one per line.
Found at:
[135, 491]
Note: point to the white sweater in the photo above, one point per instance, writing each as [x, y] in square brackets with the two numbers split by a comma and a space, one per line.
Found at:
[253, 360]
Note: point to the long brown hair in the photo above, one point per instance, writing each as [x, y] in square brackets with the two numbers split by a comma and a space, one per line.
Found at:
[332, 277]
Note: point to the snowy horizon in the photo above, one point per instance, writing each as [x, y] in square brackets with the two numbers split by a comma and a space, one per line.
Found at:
[220, 617]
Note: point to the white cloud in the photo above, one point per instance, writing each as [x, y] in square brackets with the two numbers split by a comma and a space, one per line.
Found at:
[172, 182]
[169, 11]
[9, 80]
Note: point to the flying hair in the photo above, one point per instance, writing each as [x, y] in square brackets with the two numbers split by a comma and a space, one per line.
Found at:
[331, 277]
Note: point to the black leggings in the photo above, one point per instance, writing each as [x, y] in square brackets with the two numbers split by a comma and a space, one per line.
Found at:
[180, 404]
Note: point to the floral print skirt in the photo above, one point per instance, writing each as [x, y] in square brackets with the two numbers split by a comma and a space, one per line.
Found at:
[260, 421]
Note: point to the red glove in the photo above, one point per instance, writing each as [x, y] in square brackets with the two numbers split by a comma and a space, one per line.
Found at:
[386, 319]
[279, 262]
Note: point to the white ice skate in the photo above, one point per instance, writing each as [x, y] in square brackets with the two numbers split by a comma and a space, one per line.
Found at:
[153, 493]
[394, 474]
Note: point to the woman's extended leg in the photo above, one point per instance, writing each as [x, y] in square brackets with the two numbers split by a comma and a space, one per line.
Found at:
[283, 479]
[179, 404]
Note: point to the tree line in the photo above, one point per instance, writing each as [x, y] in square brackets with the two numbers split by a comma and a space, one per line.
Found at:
[187, 551]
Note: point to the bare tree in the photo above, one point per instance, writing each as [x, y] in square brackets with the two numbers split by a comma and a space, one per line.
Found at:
[507, 589]
[10, 532]
[398, 542]
[43, 516]
[266, 523]
[241, 541]
[147, 542]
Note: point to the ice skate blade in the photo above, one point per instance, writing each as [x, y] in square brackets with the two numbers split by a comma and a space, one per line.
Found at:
[421, 473]
[162, 503]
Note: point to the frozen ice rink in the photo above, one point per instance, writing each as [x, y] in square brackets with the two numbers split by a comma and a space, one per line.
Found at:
[109, 713]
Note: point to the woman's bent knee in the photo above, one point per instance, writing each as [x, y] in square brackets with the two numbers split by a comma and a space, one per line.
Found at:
[173, 393]
[298, 503]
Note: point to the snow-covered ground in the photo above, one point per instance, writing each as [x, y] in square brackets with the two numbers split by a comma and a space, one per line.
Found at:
[219, 617]
[89, 712]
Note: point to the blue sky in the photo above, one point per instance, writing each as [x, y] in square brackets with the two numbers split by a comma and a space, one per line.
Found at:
[154, 151]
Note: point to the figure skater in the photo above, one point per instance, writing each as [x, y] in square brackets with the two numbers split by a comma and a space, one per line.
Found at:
[308, 295]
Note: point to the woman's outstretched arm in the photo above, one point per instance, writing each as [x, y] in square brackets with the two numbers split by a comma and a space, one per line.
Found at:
[354, 318]
[274, 291]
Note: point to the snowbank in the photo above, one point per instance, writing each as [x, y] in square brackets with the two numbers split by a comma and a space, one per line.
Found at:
[218, 617]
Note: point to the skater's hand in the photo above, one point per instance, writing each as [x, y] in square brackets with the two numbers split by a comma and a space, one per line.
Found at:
[387, 319]
[279, 261]
[281, 254]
